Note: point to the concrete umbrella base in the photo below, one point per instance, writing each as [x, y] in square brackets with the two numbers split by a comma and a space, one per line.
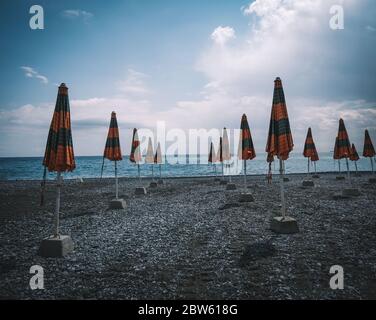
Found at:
[285, 179]
[351, 192]
[153, 184]
[315, 176]
[140, 191]
[223, 182]
[285, 225]
[308, 183]
[246, 197]
[340, 178]
[56, 247]
[118, 204]
[231, 186]
[160, 181]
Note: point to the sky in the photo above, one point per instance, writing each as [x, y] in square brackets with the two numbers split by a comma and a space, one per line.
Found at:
[192, 64]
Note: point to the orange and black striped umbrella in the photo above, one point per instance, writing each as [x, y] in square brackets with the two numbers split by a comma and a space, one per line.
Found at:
[270, 158]
[59, 155]
[309, 146]
[112, 150]
[369, 150]
[158, 155]
[315, 156]
[280, 142]
[211, 158]
[336, 150]
[247, 151]
[344, 147]
[135, 155]
[354, 154]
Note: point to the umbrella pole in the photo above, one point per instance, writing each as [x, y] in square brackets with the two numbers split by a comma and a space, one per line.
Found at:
[348, 170]
[116, 182]
[308, 165]
[245, 173]
[139, 172]
[314, 164]
[102, 168]
[215, 169]
[160, 171]
[281, 171]
[339, 166]
[57, 208]
[229, 170]
[152, 172]
[372, 165]
[223, 172]
[356, 166]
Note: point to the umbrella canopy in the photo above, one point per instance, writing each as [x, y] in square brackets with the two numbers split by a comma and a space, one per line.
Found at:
[354, 154]
[309, 145]
[315, 156]
[112, 150]
[135, 155]
[369, 150]
[270, 158]
[59, 155]
[336, 150]
[280, 142]
[344, 147]
[226, 154]
[211, 158]
[220, 151]
[149, 153]
[158, 155]
[246, 150]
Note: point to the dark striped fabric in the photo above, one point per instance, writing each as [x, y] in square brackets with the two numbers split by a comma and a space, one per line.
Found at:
[368, 150]
[354, 154]
[158, 155]
[247, 151]
[309, 145]
[112, 151]
[336, 150]
[59, 154]
[220, 151]
[269, 158]
[135, 155]
[211, 158]
[315, 156]
[280, 142]
[344, 147]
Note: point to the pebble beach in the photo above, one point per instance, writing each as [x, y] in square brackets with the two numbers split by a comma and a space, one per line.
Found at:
[190, 239]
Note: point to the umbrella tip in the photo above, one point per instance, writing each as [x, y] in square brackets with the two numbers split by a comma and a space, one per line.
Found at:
[278, 79]
[63, 89]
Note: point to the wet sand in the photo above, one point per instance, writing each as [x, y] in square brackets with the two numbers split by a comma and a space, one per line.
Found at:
[190, 239]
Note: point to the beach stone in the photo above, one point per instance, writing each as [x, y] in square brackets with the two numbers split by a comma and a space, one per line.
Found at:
[140, 191]
[286, 179]
[217, 179]
[357, 174]
[308, 183]
[372, 180]
[153, 184]
[340, 178]
[160, 181]
[53, 247]
[340, 196]
[117, 204]
[231, 186]
[246, 197]
[351, 192]
[223, 182]
[316, 176]
[285, 225]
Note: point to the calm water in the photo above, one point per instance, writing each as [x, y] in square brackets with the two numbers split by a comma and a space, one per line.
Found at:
[86, 167]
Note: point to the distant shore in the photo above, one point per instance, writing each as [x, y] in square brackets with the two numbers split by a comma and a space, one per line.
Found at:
[190, 238]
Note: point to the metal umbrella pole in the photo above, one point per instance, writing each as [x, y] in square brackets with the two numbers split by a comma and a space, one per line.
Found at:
[245, 174]
[116, 182]
[348, 170]
[282, 172]
[160, 171]
[314, 164]
[57, 208]
[139, 172]
[372, 165]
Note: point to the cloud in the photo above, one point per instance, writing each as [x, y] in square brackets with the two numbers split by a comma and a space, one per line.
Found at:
[31, 73]
[77, 14]
[371, 29]
[221, 35]
[134, 83]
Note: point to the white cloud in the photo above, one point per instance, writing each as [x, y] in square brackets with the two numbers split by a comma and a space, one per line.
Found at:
[77, 13]
[134, 83]
[222, 34]
[31, 73]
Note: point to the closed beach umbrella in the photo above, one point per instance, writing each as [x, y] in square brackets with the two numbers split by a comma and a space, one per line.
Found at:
[280, 142]
[368, 150]
[226, 154]
[112, 149]
[269, 160]
[212, 157]
[59, 155]
[158, 159]
[309, 147]
[344, 146]
[354, 156]
[149, 159]
[315, 156]
[336, 154]
[135, 156]
[247, 151]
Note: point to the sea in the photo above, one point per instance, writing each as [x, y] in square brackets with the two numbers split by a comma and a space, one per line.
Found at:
[30, 168]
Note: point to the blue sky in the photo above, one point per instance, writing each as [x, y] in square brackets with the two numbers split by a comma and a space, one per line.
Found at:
[193, 64]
